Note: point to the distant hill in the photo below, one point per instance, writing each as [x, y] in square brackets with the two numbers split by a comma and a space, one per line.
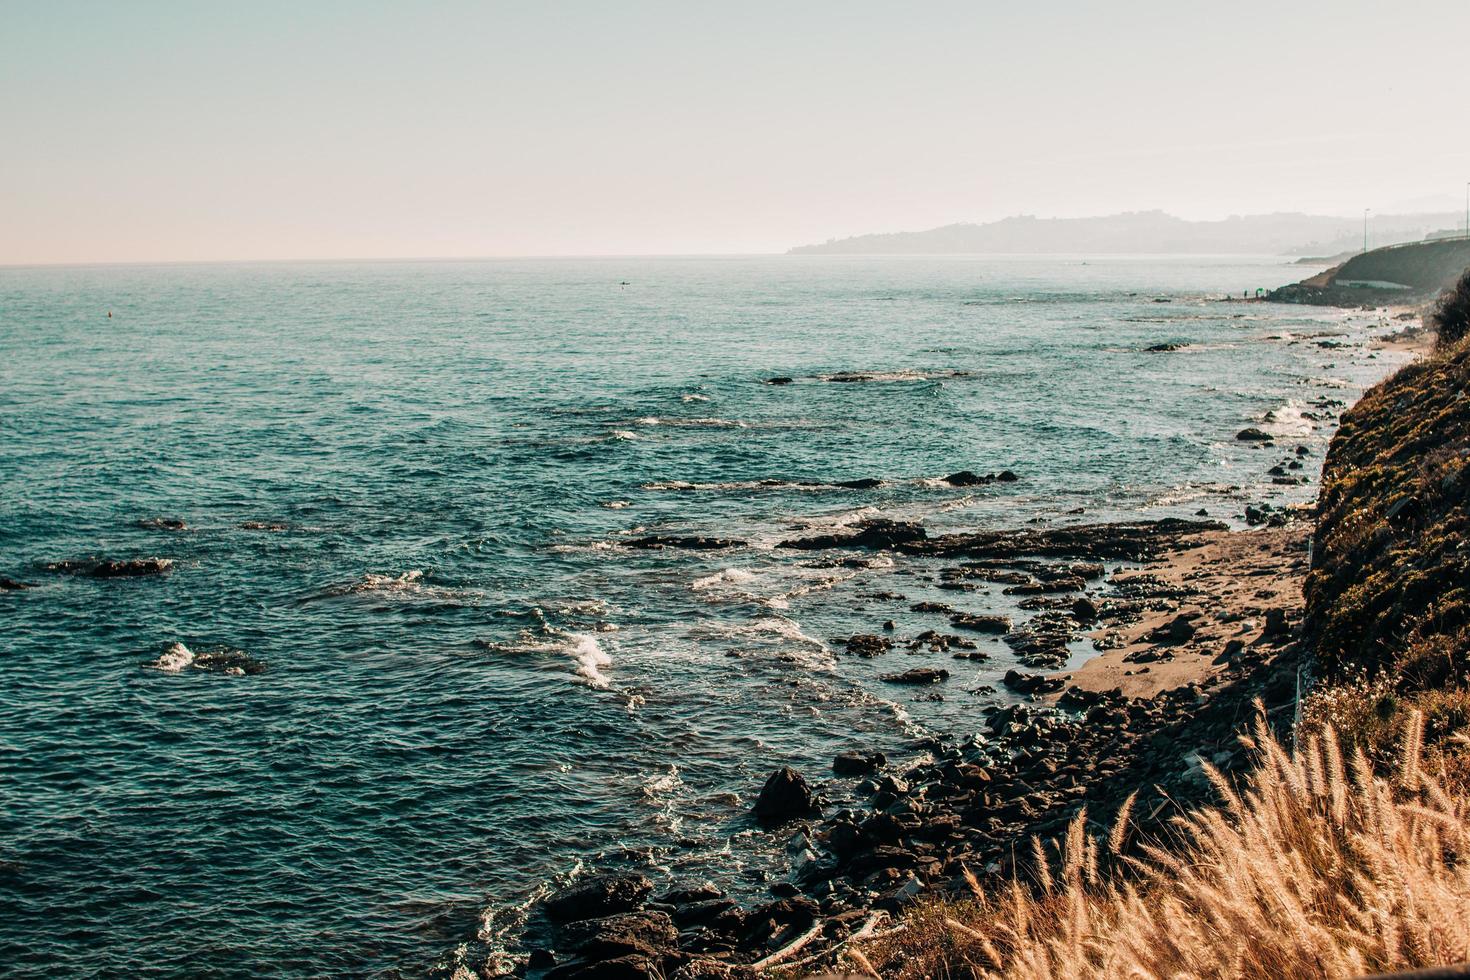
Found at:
[1151, 232]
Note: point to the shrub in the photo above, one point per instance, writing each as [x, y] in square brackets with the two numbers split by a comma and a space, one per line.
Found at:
[1317, 868]
[1451, 315]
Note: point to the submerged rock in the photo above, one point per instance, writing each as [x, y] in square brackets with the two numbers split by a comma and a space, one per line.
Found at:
[11, 585]
[112, 567]
[692, 543]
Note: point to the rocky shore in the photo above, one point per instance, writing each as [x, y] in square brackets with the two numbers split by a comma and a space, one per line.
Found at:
[1193, 634]
[1198, 630]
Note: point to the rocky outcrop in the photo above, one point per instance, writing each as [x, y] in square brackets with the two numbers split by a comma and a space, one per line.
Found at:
[785, 796]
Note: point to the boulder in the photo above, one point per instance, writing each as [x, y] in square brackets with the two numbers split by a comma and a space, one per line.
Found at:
[967, 478]
[981, 624]
[597, 897]
[852, 763]
[648, 933]
[785, 796]
[1253, 434]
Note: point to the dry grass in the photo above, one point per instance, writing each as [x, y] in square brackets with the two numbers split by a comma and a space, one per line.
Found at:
[1314, 867]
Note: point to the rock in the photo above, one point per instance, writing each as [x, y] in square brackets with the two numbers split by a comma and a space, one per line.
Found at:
[690, 894]
[164, 523]
[11, 585]
[852, 763]
[647, 933]
[937, 607]
[1180, 629]
[966, 478]
[1253, 434]
[889, 626]
[866, 483]
[112, 568]
[597, 897]
[631, 967]
[1276, 623]
[981, 624]
[876, 533]
[262, 526]
[1031, 683]
[868, 644]
[786, 795]
[693, 543]
[1084, 610]
[706, 969]
[1006, 476]
[918, 675]
[779, 381]
[1165, 348]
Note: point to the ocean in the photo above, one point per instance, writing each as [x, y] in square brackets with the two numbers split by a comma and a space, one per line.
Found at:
[421, 677]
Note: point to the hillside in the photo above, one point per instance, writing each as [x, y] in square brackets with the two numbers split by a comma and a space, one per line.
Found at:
[1408, 273]
[1151, 232]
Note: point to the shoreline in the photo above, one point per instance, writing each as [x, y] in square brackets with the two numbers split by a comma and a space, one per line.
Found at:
[1196, 626]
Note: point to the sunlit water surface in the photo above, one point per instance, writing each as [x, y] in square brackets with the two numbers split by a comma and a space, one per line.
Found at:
[404, 485]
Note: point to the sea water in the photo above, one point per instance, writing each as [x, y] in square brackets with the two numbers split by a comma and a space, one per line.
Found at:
[404, 489]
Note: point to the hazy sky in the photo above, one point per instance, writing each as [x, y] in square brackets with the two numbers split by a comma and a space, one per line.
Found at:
[137, 130]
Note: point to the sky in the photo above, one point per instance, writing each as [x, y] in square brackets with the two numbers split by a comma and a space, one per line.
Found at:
[191, 131]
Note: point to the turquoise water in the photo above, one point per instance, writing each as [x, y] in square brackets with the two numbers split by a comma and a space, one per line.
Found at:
[403, 488]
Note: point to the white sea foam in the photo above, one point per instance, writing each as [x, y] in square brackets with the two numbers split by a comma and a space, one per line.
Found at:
[694, 398]
[591, 659]
[1287, 420]
[724, 576]
[690, 423]
[859, 377]
[615, 504]
[176, 658]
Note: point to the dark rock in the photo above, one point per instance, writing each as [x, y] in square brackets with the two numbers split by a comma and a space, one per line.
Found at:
[693, 543]
[866, 483]
[779, 381]
[889, 626]
[164, 523]
[1031, 683]
[852, 763]
[1253, 434]
[936, 607]
[981, 624]
[868, 644]
[598, 897]
[786, 795]
[877, 533]
[647, 933]
[1006, 476]
[1084, 610]
[112, 568]
[1180, 629]
[689, 894]
[1276, 623]
[631, 967]
[1165, 348]
[966, 478]
[707, 969]
[11, 585]
[918, 675]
